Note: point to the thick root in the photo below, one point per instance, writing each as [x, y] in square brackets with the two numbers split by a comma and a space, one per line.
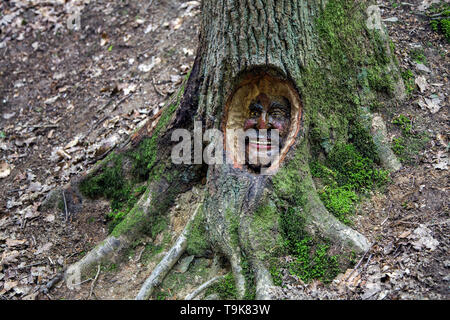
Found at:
[103, 251]
[107, 249]
[377, 127]
[166, 264]
[238, 275]
[382, 143]
[321, 222]
[263, 280]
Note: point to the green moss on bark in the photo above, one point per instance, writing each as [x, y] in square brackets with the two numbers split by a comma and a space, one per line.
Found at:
[144, 157]
[111, 182]
[356, 70]
[197, 242]
[225, 289]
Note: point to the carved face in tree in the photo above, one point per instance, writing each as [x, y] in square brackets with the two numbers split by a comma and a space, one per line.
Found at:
[266, 114]
[267, 111]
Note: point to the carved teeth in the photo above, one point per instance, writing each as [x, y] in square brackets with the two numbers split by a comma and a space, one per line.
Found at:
[264, 142]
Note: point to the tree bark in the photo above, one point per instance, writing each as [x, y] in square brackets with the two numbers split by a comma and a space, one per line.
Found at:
[331, 62]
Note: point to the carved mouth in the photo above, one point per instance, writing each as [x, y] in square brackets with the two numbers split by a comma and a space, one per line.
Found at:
[261, 143]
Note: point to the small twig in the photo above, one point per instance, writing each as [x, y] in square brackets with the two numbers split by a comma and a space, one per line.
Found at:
[368, 260]
[122, 100]
[140, 254]
[156, 89]
[374, 293]
[65, 206]
[30, 265]
[14, 190]
[42, 4]
[93, 282]
[48, 296]
[389, 211]
[96, 124]
[361, 260]
[106, 104]
[149, 5]
[84, 281]
[437, 223]
[73, 254]
[406, 222]
[39, 126]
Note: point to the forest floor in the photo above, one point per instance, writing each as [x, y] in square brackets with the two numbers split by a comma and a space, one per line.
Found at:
[67, 96]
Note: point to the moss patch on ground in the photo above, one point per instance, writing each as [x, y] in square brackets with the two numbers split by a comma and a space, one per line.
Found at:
[409, 81]
[439, 14]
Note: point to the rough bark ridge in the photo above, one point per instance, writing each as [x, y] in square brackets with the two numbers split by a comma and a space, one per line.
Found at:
[239, 35]
[337, 65]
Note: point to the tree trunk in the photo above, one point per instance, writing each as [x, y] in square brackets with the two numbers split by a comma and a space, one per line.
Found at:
[331, 64]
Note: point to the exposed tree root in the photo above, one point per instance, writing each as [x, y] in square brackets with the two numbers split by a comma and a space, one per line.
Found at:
[203, 287]
[107, 249]
[382, 143]
[263, 281]
[320, 221]
[238, 274]
[375, 124]
[101, 252]
[242, 209]
[169, 260]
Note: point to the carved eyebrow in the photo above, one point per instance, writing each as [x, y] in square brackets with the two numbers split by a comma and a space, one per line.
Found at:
[275, 104]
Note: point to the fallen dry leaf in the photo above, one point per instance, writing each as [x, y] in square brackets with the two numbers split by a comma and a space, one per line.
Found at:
[5, 169]
[9, 285]
[421, 82]
[13, 243]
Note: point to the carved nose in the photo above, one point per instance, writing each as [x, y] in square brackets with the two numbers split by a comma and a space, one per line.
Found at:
[262, 121]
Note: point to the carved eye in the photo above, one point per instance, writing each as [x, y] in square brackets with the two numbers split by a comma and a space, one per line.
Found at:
[277, 113]
[277, 110]
[255, 109]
